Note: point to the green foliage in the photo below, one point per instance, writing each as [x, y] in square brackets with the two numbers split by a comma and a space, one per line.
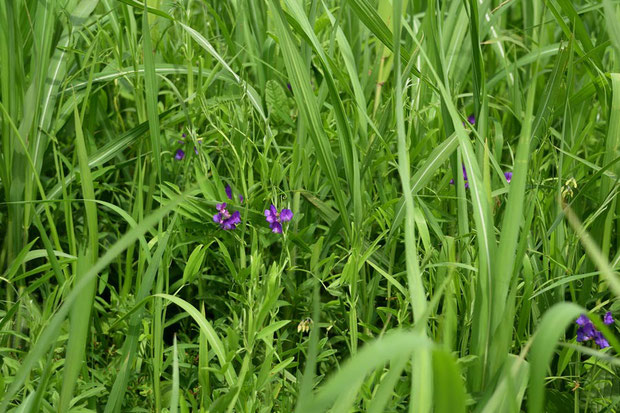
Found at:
[400, 284]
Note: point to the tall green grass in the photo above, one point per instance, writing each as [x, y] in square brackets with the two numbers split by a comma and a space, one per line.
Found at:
[399, 285]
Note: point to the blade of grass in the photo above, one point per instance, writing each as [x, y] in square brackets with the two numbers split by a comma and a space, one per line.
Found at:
[449, 391]
[309, 110]
[174, 397]
[346, 139]
[547, 335]
[53, 327]
[306, 399]
[129, 348]
[482, 219]
[594, 252]
[80, 313]
[205, 326]
[151, 90]
[392, 346]
[386, 388]
[421, 383]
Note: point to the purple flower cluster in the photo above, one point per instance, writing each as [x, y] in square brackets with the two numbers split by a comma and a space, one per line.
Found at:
[180, 153]
[229, 221]
[229, 194]
[587, 331]
[507, 176]
[275, 218]
[226, 220]
[471, 119]
[464, 178]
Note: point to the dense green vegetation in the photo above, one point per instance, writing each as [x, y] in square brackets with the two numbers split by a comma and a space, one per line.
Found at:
[421, 204]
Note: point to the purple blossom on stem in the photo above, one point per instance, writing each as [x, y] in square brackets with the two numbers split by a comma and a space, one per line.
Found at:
[507, 175]
[583, 320]
[179, 155]
[199, 140]
[471, 120]
[587, 331]
[600, 340]
[464, 178]
[276, 218]
[226, 220]
[608, 319]
[229, 192]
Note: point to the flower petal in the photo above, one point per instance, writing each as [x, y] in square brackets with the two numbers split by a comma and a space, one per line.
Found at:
[583, 320]
[179, 155]
[276, 228]
[508, 176]
[600, 340]
[236, 217]
[581, 335]
[608, 319]
[229, 192]
[269, 216]
[286, 215]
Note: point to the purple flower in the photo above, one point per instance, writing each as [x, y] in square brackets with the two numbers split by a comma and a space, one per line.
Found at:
[608, 319]
[275, 218]
[229, 192]
[471, 119]
[179, 155]
[288, 85]
[226, 220]
[464, 178]
[587, 331]
[507, 175]
[600, 340]
[231, 223]
[583, 320]
[199, 140]
[240, 198]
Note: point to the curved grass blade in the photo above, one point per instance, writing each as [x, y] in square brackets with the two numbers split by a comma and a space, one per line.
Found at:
[107, 152]
[309, 109]
[547, 335]
[392, 346]
[52, 330]
[80, 313]
[205, 326]
[114, 402]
